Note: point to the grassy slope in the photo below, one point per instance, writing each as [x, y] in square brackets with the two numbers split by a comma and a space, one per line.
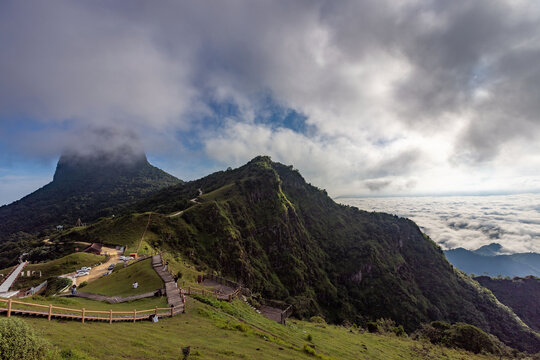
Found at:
[58, 267]
[119, 283]
[214, 334]
[263, 225]
[123, 230]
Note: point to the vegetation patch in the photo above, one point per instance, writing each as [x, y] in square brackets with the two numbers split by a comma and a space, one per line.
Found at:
[463, 336]
[61, 266]
[19, 341]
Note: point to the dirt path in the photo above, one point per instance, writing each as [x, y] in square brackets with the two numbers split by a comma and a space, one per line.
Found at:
[98, 271]
[144, 233]
[194, 200]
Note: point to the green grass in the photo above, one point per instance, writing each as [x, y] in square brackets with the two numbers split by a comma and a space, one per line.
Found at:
[124, 230]
[5, 271]
[119, 283]
[178, 264]
[214, 334]
[63, 265]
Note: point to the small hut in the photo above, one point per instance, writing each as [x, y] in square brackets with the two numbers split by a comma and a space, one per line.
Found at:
[95, 248]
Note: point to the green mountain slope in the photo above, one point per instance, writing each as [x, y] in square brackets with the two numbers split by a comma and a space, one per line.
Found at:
[520, 294]
[263, 225]
[82, 187]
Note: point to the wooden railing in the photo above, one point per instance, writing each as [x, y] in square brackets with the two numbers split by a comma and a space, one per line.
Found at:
[222, 281]
[205, 292]
[52, 311]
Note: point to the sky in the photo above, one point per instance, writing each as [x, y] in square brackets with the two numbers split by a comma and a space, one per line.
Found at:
[365, 98]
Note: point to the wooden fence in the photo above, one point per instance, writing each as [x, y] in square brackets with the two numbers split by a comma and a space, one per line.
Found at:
[222, 281]
[52, 311]
[286, 309]
[205, 292]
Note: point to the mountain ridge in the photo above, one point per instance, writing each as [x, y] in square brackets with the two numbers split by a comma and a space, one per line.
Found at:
[263, 225]
[488, 260]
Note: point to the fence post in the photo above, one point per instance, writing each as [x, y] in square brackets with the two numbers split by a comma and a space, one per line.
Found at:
[202, 292]
[83, 310]
[134, 315]
[189, 290]
[155, 313]
[172, 311]
[50, 312]
[110, 316]
[9, 308]
[230, 297]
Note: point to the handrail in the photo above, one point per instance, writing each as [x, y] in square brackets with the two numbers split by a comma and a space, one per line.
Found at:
[132, 315]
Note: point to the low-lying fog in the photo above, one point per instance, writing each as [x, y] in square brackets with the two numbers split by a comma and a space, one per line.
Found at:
[468, 221]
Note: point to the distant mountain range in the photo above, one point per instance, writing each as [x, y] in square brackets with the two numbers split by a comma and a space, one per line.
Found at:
[491, 260]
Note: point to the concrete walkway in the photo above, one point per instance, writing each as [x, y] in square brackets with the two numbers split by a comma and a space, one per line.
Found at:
[12, 277]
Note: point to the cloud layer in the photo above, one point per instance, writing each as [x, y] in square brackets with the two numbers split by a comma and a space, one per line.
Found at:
[392, 97]
[468, 221]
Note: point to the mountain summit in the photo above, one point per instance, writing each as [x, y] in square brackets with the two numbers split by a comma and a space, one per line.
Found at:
[263, 225]
[84, 186]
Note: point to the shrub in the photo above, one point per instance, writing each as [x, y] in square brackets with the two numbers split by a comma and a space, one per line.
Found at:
[372, 327]
[74, 354]
[83, 284]
[386, 325]
[317, 320]
[18, 341]
[309, 350]
[241, 327]
[400, 331]
[471, 338]
[55, 284]
[309, 338]
[460, 335]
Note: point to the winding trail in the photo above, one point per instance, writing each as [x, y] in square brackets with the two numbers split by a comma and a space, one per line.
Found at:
[194, 200]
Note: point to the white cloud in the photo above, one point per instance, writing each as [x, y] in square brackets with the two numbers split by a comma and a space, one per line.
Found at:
[468, 221]
[400, 97]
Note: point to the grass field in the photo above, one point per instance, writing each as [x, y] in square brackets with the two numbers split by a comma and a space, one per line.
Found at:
[228, 331]
[126, 230]
[177, 264]
[119, 283]
[5, 272]
[64, 265]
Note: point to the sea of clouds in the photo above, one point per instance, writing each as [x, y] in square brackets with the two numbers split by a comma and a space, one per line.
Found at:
[467, 221]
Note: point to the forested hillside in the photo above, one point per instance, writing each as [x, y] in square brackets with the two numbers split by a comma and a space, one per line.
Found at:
[522, 295]
[263, 225]
[82, 187]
